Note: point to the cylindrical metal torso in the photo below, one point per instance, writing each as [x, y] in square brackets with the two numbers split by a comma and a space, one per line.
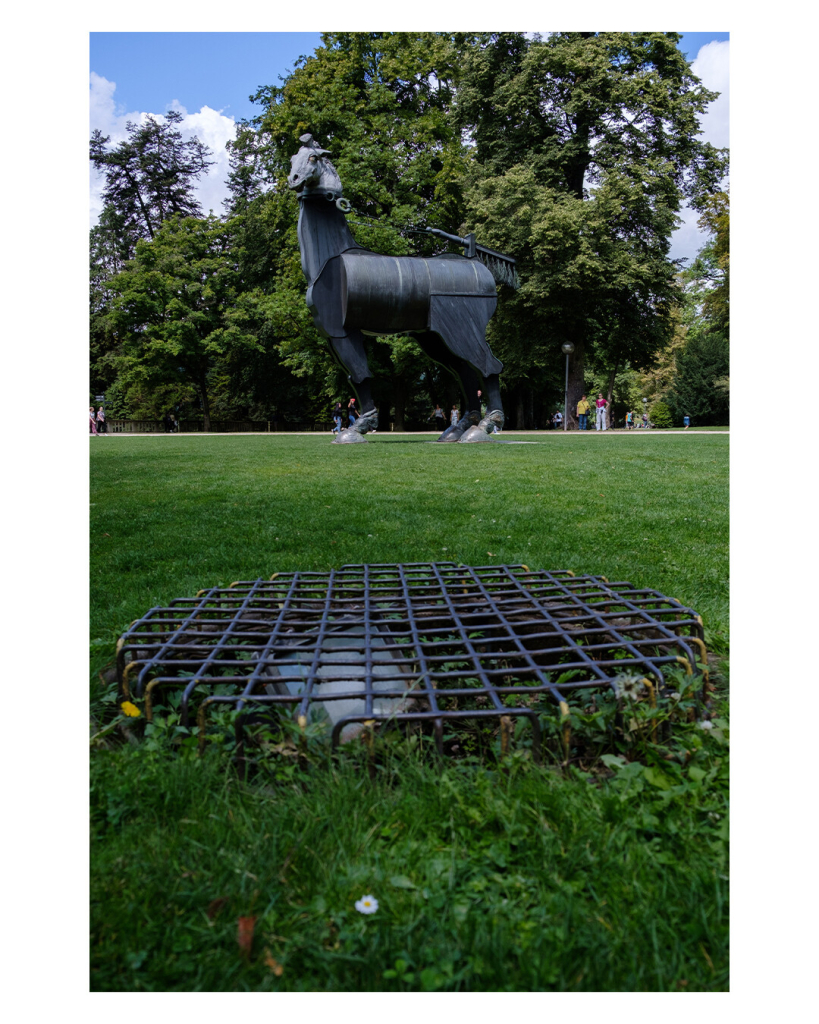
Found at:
[391, 294]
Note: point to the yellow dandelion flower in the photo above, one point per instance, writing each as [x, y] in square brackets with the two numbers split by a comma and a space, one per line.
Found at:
[129, 709]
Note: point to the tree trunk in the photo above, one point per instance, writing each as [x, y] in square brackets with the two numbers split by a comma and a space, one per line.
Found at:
[577, 384]
[400, 394]
[205, 406]
[611, 392]
[520, 416]
[611, 382]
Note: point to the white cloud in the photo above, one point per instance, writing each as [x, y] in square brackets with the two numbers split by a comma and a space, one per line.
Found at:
[711, 67]
[214, 129]
[210, 126]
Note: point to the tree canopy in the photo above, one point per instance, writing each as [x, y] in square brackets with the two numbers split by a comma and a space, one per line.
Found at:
[178, 309]
[151, 175]
[585, 150]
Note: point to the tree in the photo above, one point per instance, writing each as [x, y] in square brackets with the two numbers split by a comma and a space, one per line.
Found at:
[150, 176]
[245, 180]
[585, 148]
[178, 314]
[700, 383]
[710, 271]
[107, 256]
[379, 102]
[698, 389]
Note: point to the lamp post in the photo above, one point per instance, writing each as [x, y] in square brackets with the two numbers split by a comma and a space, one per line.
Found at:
[568, 348]
[645, 410]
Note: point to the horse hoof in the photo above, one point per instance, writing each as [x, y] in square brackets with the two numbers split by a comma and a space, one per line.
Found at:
[484, 430]
[354, 434]
[464, 424]
[349, 436]
[475, 434]
[453, 433]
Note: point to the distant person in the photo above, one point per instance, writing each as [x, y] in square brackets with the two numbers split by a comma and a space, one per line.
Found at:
[93, 419]
[168, 422]
[583, 413]
[101, 427]
[602, 405]
[686, 421]
[645, 421]
[629, 420]
[482, 404]
[338, 412]
[558, 419]
[454, 416]
[352, 415]
[438, 418]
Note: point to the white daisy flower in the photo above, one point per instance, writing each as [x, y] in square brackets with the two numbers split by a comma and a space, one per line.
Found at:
[628, 686]
[366, 905]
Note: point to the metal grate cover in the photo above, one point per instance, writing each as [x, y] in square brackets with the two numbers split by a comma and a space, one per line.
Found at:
[422, 641]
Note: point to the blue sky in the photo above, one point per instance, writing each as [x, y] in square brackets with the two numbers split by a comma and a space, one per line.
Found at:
[217, 69]
[220, 69]
[209, 77]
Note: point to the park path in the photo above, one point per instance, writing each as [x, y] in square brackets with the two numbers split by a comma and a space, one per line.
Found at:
[410, 433]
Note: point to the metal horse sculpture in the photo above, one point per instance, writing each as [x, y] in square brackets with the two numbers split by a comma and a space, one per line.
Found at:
[444, 302]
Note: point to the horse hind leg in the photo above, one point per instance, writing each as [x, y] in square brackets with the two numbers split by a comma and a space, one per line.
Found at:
[469, 382]
[494, 419]
[462, 328]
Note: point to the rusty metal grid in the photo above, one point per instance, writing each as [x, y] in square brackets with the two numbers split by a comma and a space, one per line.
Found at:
[415, 641]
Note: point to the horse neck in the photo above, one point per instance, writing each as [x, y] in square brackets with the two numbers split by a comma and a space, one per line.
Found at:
[323, 233]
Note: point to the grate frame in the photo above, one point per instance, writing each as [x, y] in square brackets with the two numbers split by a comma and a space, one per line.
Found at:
[493, 641]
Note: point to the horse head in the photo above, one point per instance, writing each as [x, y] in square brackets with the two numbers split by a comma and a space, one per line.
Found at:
[311, 172]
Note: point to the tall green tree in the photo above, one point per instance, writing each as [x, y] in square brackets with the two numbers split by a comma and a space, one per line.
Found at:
[151, 175]
[179, 314]
[585, 149]
[698, 388]
[379, 101]
[700, 382]
[108, 253]
[709, 275]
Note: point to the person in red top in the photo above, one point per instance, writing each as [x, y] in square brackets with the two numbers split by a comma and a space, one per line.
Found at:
[602, 405]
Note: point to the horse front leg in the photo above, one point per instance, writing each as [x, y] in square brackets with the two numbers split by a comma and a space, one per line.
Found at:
[494, 405]
[350, 351]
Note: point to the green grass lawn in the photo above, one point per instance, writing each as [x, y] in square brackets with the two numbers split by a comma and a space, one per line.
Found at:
[489, 876]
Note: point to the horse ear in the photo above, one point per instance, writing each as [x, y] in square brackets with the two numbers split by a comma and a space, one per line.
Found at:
[306, 139]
